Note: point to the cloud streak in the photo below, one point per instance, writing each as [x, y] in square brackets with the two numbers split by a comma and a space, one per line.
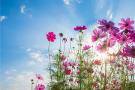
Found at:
[2, 18]
[24, 10]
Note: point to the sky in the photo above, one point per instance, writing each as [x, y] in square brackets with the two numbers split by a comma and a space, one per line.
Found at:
[24, 24]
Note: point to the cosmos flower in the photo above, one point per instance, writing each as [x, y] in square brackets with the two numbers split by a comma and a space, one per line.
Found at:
[39, 77]
[102, 47]
[71, 39]
[111, 42]
[131, 66]
[61, 34]
[51, 36]
[68, 71]
[122, 39]
[126, 62]
[98, 34]
[126, 24]
[131, 51]
[106, 25]
[132, 36]
[62, 57]
[86, 47]
[40, 87]
[64, 40]
[95, 84]
[128, 51]
[66, 64]
[80, 28]
[97, 62]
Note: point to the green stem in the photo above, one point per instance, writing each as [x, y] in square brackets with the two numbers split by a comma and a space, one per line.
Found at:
[49, 63]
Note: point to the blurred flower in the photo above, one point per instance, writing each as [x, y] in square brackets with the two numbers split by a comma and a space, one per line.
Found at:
[40, 87]
[78, 72]
[102, 47]
[66, 64]
[80, 28]
[97, 62]
[126, 62]
[106, 25]
[95, 84]
[39, 77]
[128, 51]
[86, 47]
[111, 42]
[62, 57]
[111, 61]
[131, 66]
[64, 40]
[61, 34]
[68, 71]
[78, 81]
[126, 24]
[98, 34]
[51, 36]
[71, 39]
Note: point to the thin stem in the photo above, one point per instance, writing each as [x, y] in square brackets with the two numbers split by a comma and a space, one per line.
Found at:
[50, 61]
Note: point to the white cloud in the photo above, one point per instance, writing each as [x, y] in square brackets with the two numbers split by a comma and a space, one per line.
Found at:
[24, 10]
[109, 14]
[10, 71]
[67, 2]
[2, 18]
[37, 56]
[20, 80]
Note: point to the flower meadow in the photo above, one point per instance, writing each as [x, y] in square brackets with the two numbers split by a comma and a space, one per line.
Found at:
[105, 63]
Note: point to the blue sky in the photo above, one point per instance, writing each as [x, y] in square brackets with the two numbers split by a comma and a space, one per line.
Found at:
[24, 23]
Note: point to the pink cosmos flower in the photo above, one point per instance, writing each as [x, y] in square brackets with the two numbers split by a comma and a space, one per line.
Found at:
[51, 36]
[111, 42]
[86, 47]
[61, 34]
[97, 62]
[102, 47]
[62, 57]
[66, 64]
[40, 87]
[126, 24]
[128, 51]
[132, 36]
[39, 77]
[126, 62]
[64, 40]
[131, 66]
[98, 34]
[95, 84]
[80, 28]
[68, 71]
[106, 25]
[122, 39]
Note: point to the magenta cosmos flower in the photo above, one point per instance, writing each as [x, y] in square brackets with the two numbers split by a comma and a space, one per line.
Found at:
[102, 47]
[97, 34]
[106, 25]
[39, 77]
[86, 47]
[51, 36]
[126, 24]
[128, 51]
[80, 28]
[40, 87]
